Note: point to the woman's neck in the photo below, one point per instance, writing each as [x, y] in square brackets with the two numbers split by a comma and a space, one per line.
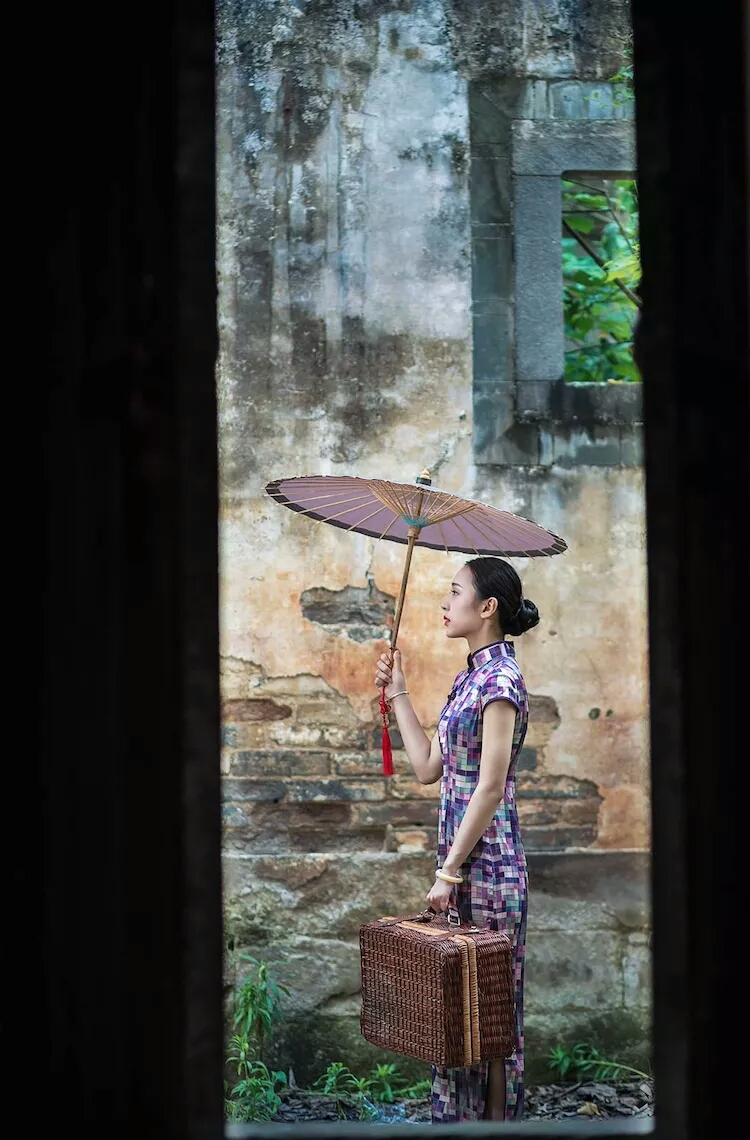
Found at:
[482, 638]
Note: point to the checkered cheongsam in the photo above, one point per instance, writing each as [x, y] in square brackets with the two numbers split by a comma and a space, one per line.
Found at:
[493, 892]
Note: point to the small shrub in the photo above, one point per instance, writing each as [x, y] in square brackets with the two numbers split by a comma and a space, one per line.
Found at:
[257, 1001]
[256, 1095]
[586, 1061]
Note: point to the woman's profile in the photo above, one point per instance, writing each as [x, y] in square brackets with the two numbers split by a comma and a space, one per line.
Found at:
[481, 865]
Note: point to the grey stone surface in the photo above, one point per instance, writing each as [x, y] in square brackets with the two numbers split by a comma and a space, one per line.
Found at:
[631, 447]
[555, 147]
[585, 447]
[582, 971]
[539, 343]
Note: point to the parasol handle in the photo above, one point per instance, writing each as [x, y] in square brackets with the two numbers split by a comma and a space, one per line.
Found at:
[412, 536]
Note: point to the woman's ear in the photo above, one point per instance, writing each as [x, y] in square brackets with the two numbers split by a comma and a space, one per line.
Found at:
[489, 607]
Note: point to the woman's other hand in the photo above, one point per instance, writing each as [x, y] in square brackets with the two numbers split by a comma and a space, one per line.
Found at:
[439, 896]
[390, 678]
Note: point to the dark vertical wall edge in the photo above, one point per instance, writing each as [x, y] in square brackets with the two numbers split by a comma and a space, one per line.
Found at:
[692, 346]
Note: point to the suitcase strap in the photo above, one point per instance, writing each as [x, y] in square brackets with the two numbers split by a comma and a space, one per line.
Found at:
[472, 1040]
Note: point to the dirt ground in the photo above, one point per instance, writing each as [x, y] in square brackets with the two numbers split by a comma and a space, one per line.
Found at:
[592, 1100]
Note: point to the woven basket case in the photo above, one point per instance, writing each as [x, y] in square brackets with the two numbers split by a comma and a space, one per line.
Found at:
[437, 991]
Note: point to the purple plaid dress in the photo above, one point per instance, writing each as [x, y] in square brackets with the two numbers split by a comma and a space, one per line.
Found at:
[493, 892]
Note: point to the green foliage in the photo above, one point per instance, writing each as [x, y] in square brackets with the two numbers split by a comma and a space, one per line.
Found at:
[256, 1095]
[601, 276]
[587, 1061]
[339, 1082]
[257, 1001]
[383, 1085]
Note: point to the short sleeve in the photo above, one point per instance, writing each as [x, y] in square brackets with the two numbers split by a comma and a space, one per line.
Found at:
[500, 687]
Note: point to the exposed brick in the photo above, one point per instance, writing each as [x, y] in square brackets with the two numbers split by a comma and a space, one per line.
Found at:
[361, 613]
[556, 787]
[543, 709]
[268, 762]
[414, 839]
[358, 763]
[537, 815]
[557, 838]
[578, 813]
[336, 789]
[273, 841]
[254, 709]
[229, 736]
[313, 816]
[408, 813]
[245, 791]
[374, 737]
[232, 816]
[527, 760]
[406, 789]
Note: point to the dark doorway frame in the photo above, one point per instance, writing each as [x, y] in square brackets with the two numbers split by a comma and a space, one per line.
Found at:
[113, 1015]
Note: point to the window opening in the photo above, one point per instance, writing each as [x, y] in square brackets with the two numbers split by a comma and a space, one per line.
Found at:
[601, 278]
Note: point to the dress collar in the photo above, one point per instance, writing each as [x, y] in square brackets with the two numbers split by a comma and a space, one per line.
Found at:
[487, 652]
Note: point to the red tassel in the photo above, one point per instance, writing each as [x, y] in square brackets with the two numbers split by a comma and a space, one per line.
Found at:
[387, 750]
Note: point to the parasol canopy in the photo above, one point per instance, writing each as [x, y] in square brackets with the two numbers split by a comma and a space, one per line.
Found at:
[382, 509]
[413, 514]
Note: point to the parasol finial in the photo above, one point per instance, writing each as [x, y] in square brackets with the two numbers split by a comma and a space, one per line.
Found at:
[425, 478]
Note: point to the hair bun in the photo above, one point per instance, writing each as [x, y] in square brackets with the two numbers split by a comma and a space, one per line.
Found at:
[525, 617]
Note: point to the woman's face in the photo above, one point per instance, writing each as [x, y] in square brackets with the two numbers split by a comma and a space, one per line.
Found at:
[462, 610]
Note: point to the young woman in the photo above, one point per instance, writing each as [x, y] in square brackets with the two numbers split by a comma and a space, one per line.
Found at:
[481, 861]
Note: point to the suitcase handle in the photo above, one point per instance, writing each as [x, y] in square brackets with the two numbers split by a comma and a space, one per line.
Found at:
[427, 915]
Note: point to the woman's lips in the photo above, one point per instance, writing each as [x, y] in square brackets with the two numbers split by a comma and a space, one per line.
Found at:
[446, 621]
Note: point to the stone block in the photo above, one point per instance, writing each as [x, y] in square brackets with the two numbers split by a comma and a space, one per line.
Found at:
[408, 788]
[631, 447]
[539, 343]
[491, 336]
[583, 971]
[586, 447]
[233, 816]
[558, 837]
[326, 790]
[615, 881]
[358, 764]
[517, 447]
[398, 812]
[316, 970]
[490, 190]
[272, 897]
[229, 736]
[281, 762]
[492, 266]
[636, 968]
[247, 790]
[554, 147]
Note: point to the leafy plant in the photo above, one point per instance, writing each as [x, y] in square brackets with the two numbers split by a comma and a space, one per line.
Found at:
[257, 1001]
[601, 277]
[418, 1091]
[381, 1081]
[339, 1082]
[586, 1061]
[256, 1095]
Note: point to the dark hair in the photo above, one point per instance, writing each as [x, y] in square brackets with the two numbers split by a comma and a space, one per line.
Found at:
[494, 578]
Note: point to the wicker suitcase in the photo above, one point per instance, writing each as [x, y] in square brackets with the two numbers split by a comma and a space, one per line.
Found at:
[436, 990]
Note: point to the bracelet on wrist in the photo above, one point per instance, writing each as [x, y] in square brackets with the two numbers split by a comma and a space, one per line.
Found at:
[439, 874]
[401, 693]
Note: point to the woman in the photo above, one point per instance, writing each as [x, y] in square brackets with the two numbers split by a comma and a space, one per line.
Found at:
[474, 752]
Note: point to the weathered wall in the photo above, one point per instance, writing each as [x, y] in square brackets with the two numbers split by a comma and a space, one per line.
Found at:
[346, 346]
